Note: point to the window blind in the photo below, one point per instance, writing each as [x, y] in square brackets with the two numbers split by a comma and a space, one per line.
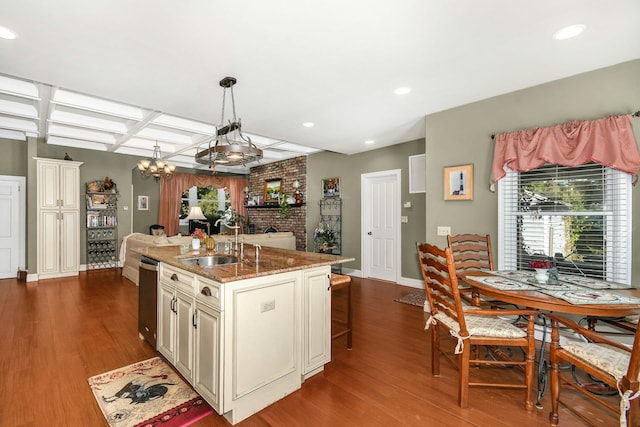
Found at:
[578, 217]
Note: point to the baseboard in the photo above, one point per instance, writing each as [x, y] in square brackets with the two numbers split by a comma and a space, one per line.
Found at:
[413, 283]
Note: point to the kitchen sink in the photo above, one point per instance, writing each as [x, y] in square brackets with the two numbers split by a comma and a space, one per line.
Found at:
[210, 260]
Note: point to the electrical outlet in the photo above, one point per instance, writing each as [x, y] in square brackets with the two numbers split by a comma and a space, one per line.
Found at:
[444, 230]
[404, 219]
[267, 306]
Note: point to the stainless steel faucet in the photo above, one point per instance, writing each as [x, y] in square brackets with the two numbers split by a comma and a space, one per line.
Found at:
[258, 248]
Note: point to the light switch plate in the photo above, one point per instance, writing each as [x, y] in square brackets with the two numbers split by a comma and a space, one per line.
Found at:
[404, 219]
[444, 230]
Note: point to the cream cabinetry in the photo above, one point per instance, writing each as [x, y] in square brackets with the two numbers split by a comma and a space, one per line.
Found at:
[58, 212]
[316, 348]
[176, 317]
[251, 341]
[206, 367]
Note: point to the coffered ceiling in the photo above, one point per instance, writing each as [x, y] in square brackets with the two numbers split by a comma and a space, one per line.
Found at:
[119, 75]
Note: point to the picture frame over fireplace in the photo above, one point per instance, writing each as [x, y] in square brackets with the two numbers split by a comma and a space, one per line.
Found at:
[272, 191]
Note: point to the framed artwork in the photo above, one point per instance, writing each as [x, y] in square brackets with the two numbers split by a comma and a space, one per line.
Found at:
[272, 191]
[458, 182]
[331, 187]
[143, 203]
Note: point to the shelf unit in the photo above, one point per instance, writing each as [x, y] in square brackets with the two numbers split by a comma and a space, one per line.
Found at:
[102, 226]
[331, 217]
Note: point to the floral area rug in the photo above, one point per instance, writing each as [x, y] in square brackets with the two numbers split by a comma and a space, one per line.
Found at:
[147, 394]
[415, 298]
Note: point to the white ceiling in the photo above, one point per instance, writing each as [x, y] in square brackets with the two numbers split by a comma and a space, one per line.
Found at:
[150, 69]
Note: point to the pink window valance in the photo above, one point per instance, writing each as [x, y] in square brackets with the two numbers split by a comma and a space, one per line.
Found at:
[171, 195]
[608, 141]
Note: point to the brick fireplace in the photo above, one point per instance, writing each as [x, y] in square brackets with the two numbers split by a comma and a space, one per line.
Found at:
[264, 217]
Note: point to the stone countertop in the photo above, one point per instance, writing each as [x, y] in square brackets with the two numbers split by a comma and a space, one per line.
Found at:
[271, 261]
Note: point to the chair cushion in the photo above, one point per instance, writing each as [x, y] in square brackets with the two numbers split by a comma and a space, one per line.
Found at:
[485, 326]
[609, 359]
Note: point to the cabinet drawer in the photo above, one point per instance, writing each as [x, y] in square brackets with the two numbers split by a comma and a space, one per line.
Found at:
[180, 278]
[208, 292]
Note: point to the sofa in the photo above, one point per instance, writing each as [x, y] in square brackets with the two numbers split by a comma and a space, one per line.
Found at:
[129, 257]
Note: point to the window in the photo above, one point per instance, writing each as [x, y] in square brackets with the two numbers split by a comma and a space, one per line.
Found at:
[211, 200]
[580, 216]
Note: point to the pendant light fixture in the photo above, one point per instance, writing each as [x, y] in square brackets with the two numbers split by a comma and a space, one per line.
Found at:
[155, 166]
[230, 147]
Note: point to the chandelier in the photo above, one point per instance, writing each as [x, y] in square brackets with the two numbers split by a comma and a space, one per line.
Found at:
[156, 167]
[230, 147]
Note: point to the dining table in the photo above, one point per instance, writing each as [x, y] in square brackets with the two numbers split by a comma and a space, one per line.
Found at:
[569, 294]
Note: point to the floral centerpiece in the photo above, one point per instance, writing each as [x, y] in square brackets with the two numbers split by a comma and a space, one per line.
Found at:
[198, 233]
[540, 264]
[324, 237]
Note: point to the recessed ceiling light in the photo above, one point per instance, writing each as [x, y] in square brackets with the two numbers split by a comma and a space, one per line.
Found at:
[369, 141]
[569, 32]
[8, 34]
[308, 124]
[402, 90]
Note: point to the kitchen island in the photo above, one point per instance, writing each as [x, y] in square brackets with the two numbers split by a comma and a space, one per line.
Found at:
[244, 333]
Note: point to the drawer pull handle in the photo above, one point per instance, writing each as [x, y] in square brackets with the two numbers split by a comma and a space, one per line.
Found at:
[174, 277]
[206, 291]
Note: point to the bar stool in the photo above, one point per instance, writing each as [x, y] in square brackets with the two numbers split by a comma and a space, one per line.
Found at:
[340, 281]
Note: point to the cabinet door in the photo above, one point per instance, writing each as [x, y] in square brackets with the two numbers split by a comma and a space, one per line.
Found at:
[166, 321]
[48, 242]
[69, 191]
[206, 368]
[184, 334]
[48, 185]
[316, 340]
[69, 241]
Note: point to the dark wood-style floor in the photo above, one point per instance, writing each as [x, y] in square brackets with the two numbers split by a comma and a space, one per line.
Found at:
[54, 334]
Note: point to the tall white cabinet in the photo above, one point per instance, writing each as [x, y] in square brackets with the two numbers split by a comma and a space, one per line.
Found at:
[58, 228]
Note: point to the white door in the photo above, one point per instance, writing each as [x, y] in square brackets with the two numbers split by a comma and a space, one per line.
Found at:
[381, 225]
[12, 212]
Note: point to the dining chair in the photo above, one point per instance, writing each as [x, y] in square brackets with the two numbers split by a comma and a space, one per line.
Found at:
[472, 327]
[471, 252]
[601, 358]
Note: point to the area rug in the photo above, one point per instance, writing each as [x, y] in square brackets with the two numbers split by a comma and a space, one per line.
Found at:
[147, 394]
[416, 298]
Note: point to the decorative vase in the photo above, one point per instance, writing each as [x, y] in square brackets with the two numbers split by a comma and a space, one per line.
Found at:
[195, 244]
[542, 275]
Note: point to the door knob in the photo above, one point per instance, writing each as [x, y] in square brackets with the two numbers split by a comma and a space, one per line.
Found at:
[369, 233]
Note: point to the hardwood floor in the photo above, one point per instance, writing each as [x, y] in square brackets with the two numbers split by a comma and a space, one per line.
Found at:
[54, 334]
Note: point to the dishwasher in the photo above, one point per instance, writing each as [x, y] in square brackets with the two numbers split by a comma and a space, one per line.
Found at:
[148, 299]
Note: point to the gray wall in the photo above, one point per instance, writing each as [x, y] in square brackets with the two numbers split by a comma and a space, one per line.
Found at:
[462, 135]
[349, 169]
[13, 160]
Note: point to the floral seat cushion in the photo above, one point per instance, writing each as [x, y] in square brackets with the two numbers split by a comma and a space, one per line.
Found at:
[485, 326]
[609, 359]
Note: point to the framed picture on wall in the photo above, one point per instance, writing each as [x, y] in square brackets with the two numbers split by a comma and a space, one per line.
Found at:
[458, 182]
[143, 203]
[331, 187]
[272, 191]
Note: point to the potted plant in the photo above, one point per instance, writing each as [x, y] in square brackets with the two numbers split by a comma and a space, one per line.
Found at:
[324, 238]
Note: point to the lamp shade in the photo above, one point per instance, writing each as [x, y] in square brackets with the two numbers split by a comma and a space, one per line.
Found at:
[196, 213]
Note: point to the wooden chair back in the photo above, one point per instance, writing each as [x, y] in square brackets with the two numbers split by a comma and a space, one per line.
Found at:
[471, 251]
[441, 283]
